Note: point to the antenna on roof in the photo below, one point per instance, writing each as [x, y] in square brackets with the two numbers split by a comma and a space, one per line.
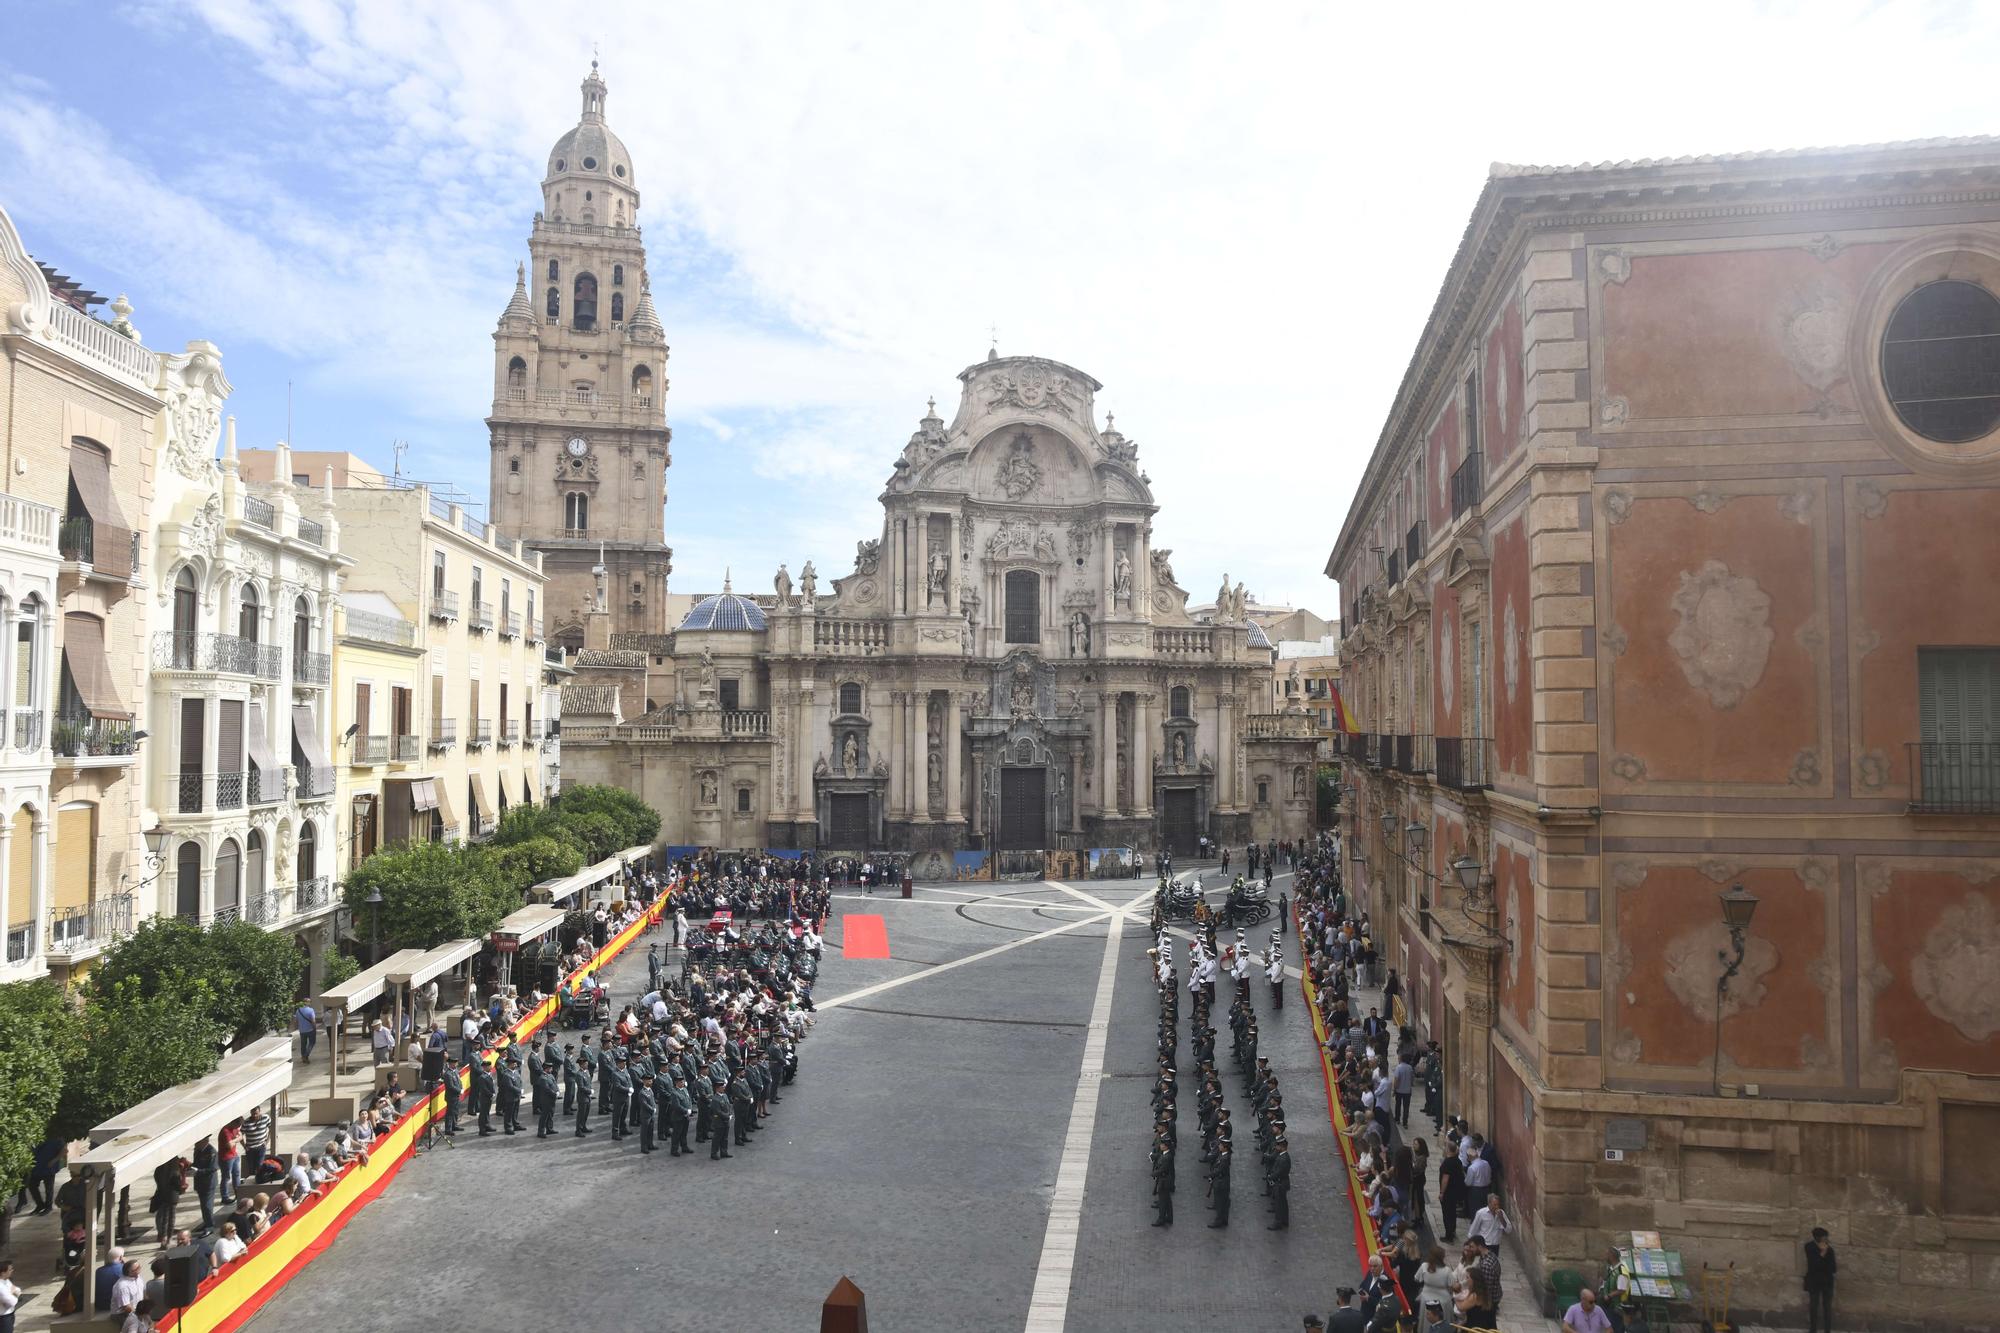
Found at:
[400, 447]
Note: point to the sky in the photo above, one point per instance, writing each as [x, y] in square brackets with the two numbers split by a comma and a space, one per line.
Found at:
[1236, 217]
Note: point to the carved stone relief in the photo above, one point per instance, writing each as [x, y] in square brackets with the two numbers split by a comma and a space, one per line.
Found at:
[1510, 650]
[1617, 506]
[1953, 975]
[1447, 663]
[1812, 329]
[1613, 410]
[1723, 641]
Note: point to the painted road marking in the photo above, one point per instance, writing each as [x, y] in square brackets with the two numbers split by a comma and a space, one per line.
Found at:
[956, 963]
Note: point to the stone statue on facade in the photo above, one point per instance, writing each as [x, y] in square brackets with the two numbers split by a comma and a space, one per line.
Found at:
[940, 575]
[820, 769]
[937, 773]
[850, 755]
[1239, 603]
[1222, 615]
[867, 555]
[1024, 690]
[1163, 570]
[808, 583]
[1079, 634]
[1180, 750]
[710, 789]
[1121, 580]
[704, 676]
[783, 584]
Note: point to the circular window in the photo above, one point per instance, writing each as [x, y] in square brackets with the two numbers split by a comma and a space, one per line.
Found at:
[561, 165]
[590, 164]
[619, 171]
[1941, 361]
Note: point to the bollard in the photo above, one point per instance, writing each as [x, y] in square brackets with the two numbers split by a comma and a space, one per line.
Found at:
[846, 1309]
[906, 885]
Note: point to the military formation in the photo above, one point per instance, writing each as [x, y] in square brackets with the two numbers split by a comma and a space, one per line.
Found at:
[1259, 1081]
[701, 1056]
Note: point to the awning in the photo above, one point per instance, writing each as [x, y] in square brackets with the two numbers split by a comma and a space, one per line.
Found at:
[91, 473]
[444, 803]
[631, 854]
[305, 735]
[200, 1109]
[262, 757]
[479, 796]
[530, 923]
[423, 794]
[364, 987]
[435, 963]
[89, 669]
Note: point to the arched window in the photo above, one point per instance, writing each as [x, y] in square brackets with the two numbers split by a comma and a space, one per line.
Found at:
[1024, 606]
[228, 879]
[555, 270]
[187, 882]
[308, 852]
[576, 512]
[302, 631]
[617, 307]
[27, 660]
[186, 601]
[253, 876]
[517, 374]
[1178, 702]
[583, 303]
[642, 382]
[617, 275]
[246, 615]
[850, 698]
[555, 303]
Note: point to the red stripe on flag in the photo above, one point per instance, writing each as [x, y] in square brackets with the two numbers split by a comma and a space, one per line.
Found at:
[863, 936]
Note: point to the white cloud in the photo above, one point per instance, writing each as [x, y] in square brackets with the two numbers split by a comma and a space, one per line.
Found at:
[1235, 217]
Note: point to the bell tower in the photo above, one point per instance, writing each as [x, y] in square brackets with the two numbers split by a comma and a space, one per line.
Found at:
[578, 432]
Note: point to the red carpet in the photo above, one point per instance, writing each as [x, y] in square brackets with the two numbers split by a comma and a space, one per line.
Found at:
[863, 936]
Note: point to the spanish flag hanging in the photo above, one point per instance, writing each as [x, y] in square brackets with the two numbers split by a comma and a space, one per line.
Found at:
[1342, 719]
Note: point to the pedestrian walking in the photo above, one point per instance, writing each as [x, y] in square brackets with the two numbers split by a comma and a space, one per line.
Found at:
[308, 1024]
[1821, 1265]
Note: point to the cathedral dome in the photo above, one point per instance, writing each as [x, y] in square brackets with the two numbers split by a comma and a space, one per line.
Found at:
[591, 149]
[725, 610]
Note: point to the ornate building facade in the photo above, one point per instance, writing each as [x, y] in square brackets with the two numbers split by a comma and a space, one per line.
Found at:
[1671, 572]
[579, 431]
[1008, 666]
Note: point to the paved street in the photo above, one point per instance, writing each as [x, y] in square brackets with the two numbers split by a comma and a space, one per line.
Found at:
[920, 1153]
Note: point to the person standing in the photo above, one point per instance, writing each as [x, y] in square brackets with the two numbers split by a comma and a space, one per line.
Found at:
[510, 1092]
[1451, 1192]
[680, 1110]
[453, 1087]
[719, 1117]
[382, 1042]
[1585, 1316]
[1280, 1175]
[1163, 1180]
[256, 1140]
[646, 1109]
[483, 1089]
[1218, 1186]
[582, 1083]
[1490, 1223]
[1821, 1265]
[544, 1095]
[10, 1296]
[204, 1181]
[1405, 1085]
[308, 1024]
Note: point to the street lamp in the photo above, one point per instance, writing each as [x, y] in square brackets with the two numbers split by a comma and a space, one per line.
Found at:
[1418, 837]
[1388, 827]
[1738, 906]
[374, 901]
[1467, 870]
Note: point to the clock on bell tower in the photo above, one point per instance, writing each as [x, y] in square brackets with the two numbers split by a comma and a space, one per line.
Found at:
[578, 432]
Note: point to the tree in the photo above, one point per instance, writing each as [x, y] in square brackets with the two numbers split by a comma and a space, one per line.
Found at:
[432, 892]
[598, 833]
[140, 1038]
[636, 823]
[519, 823]
[251, 974]
[40, 1040]
[532, 860]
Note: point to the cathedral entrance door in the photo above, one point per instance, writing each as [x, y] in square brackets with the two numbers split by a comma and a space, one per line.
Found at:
[1024, 809]
[849, 828]
[1179, 825]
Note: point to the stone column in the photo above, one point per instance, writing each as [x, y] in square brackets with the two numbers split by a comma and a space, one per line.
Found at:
[899, 772]
[211, 740]
[1107, 754]
[1142, 753]
[894, 556]
[953, 788]
[920, 576]
[916, 706]
[951, 578]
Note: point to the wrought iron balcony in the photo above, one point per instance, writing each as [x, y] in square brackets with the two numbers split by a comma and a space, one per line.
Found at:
[311, 533]
[1954, 777]
[222, 653]
[264, 908]
[105, 549]
[371, 749]
[481, 617]
[444, 605]
[312, 668]
[1412, 753]
[510, 625]
[1395, 568]
[1467, 484]
[207, 793]
[29, 725]
[1464, 763]
[1413, 546]
[267, 786]
[90, 926]
[260, 512]
[408, 749]
[392, 630]
[480, 735]
[310, 783]
[534, 629]
[93, 737]
[312, 894]
[444, 733]
[510, 732]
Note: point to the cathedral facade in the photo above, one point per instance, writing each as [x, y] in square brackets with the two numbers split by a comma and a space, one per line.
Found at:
[1008, 665]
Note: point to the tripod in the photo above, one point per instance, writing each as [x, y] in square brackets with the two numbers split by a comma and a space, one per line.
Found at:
[429, 1138]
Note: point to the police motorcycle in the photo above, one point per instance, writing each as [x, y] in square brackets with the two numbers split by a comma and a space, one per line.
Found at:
[1247, 904]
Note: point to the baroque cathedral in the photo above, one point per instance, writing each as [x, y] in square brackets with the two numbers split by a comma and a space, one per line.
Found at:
[1008, 666]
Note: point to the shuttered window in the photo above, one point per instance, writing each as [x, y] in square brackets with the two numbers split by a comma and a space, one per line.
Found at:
[76, 860]
[191, 737]
[361, 710]
[1024, 611]
[229, 736]
[1958, 690]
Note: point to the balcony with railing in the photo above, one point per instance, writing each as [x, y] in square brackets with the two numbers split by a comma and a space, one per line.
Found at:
[851, 636]
[93, 742]
[30, 724]
[1381, 750]
[261, 512]
[97, 550]
[89, 927]
[746, 722]
[510, 733]
[444, 605]
[479, 736]
[510, 625]
[1394, 568]
[311, 895]
[312, 783]
[223, 654]
[1464, 763]
[311, 533]
[102, 345]
[535, 629]
[481, 617]
[1467, 484]
[264, 907]
[1954, 777]
[1411, 753]
[1184, 642]
[29, 528]
[1278, 726]
[312, 668]
[483, 825]
[1413, 546]
[209, 793]
[371, 750]
[375, 628]
[268, 785]
[409, 749]
[444, 733]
